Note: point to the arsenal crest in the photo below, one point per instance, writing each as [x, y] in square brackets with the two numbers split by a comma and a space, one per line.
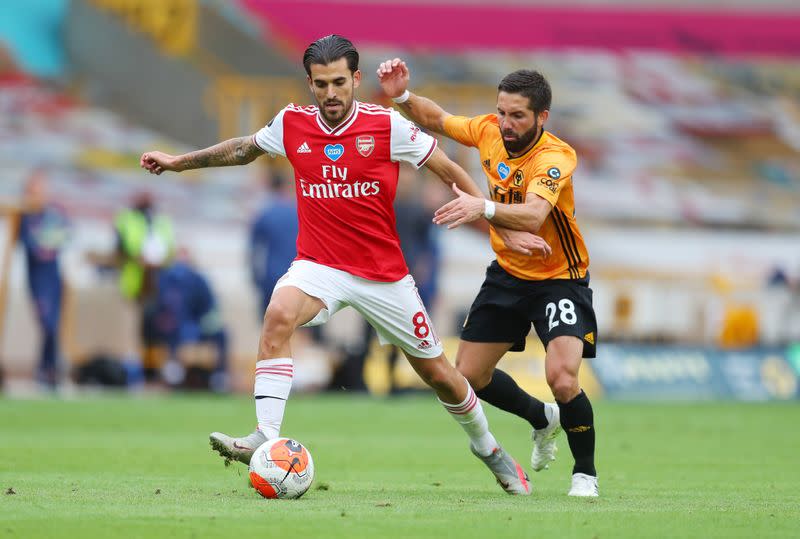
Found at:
[365, 145]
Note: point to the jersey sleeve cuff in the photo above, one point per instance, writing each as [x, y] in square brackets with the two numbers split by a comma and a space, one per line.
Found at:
[428, 155]
[255, 141]
[545, 194]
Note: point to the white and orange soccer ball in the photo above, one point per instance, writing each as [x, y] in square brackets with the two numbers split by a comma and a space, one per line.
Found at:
[281, 468]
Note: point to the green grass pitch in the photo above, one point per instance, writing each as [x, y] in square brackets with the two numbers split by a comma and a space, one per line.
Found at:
[116, 467]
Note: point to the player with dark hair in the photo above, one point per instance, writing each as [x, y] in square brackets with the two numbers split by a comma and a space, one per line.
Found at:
[529, 171]
[345, 156]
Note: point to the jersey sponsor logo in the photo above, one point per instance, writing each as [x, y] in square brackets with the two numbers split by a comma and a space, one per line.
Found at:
[503, 170]
[334, 151]
[554, 173]
[365, 145]
[335, 185]
[304, 148]
[334, 172]
[550, 184]
[331, 189]
[519, 177]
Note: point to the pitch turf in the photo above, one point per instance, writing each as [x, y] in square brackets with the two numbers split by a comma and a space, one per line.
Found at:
[141, 467]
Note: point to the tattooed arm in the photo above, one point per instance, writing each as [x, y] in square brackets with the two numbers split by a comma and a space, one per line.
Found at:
[235, 151]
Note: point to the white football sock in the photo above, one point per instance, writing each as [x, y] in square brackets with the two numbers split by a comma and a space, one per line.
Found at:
[549, 411]
[470, 416]
[272, 386]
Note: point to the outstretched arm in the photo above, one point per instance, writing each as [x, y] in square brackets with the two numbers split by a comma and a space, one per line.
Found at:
[451, 173]
[394, 76]
[235, 151]
[466, 208]
[517, 239]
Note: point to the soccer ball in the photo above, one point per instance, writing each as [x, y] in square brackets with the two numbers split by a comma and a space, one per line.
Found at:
[281, 468]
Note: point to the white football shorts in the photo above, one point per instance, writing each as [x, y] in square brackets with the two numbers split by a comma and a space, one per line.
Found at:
[395, 309]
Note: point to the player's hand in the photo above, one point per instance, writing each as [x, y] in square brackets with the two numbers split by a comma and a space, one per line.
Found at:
[524, 243]
[158, 162]
[393, 76]
[464, 209]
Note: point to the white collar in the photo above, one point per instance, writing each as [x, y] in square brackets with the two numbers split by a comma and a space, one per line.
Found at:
[342, 127]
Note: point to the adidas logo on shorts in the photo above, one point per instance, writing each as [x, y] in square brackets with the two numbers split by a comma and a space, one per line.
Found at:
[424, 345]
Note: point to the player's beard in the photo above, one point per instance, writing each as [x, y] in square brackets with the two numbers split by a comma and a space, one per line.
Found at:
[522, 141]
[335, 119]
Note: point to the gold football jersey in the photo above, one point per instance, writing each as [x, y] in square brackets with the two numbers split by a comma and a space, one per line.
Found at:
[545, 170]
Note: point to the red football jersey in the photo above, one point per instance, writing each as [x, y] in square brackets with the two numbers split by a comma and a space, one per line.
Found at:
[346, 180]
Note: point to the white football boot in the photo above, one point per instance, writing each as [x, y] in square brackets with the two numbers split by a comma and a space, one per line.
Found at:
[240, 449]
[544, 440]
[508, 473]
[584, 485]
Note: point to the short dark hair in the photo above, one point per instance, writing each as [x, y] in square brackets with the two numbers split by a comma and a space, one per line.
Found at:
[530, 84]
[329, 49]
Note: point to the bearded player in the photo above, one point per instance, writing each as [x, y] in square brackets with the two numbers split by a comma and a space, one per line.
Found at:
[529, 172]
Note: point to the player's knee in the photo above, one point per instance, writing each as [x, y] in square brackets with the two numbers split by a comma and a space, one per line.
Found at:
[437, 376]
[477, 376]
[563, 385]
[278, 315]
[278, 325]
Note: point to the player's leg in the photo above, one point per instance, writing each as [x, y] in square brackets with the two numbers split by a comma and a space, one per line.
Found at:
[399, 317]
[477, 362]
[562, 312]
[498, 322]
[289, 309]
[459, 399]
[562, 364]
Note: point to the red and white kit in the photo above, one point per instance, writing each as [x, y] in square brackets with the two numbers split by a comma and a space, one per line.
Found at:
[348, 251]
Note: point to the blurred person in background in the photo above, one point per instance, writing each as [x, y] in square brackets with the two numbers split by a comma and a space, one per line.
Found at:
[273, 238]
[345, 156]
[44, 228]
[529, 172]
[186, 317]
[145, 244]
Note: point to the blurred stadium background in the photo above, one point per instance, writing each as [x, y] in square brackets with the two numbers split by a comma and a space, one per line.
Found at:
[685, 116]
